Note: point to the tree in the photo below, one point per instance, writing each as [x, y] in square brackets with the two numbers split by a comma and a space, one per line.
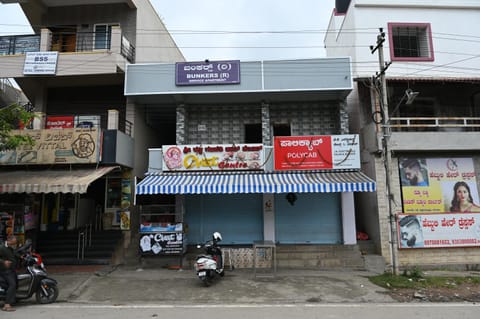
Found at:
[10, 117]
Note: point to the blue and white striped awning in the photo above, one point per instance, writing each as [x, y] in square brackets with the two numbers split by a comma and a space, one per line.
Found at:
[278, 182]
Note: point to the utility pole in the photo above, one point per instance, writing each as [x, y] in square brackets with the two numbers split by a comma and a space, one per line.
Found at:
[387, 156]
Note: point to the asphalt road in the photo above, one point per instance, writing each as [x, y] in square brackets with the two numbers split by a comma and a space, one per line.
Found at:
[242, 311]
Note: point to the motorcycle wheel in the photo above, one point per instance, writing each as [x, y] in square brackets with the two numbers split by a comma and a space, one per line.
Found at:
[49, 297]
[206, 281]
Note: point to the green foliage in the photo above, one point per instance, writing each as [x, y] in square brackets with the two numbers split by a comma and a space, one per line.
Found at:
[414, 273]
[390, 281]
[10, 117]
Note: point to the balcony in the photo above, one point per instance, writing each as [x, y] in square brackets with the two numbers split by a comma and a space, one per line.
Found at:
[80, 53]
[434, 133]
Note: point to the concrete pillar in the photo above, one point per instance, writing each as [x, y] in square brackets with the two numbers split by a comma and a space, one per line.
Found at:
[348, 218]
[181, 124]
[266, 125]
[45, 40]
[116, 39]
[112, 120]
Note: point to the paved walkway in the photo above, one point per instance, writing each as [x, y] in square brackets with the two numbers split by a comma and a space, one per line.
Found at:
[124, 285]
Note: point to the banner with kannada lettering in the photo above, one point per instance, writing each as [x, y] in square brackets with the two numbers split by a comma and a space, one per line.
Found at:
[438, 185]
[438, 230]
[56, 146]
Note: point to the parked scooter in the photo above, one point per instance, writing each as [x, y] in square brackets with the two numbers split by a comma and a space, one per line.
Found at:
[210, 265]
[34, 280]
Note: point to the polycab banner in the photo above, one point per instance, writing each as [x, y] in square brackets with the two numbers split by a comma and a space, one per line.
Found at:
[322, 152]
[438, 230]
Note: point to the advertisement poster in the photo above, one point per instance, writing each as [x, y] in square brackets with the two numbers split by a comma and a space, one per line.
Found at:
[439, 230]
[213, 157]
[162, 243]
[438, 185]
[323, 152]
[59, 122]
[440, 203]
[66, 146]
[40, 63]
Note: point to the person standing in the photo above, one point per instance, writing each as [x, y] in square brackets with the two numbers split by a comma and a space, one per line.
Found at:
[8, 264]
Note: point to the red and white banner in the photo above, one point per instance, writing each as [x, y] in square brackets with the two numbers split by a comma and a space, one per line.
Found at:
[322, 152]
[213, 157]
[438, 230]
[59, 122]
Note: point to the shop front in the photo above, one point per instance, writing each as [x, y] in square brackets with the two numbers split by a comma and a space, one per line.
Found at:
[286, 206]
[56, 184]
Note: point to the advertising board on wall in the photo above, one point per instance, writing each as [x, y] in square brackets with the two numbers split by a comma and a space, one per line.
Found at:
[66, 146]
[321, 152]
[40, 63]
[207, 72]
[221, 157]
[440, 203]
[162, 243]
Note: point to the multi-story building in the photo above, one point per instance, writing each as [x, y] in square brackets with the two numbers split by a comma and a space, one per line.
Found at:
[90, 142]
[420, 128]
[259, 151]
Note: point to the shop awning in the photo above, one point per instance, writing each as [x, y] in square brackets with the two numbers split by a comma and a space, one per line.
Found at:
[278, 182]
[50, 181]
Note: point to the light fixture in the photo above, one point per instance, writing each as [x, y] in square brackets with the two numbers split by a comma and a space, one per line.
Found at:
[291, 198]
[410, 96]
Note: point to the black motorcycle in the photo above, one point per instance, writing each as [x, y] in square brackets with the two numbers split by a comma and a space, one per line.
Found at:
[32, 280]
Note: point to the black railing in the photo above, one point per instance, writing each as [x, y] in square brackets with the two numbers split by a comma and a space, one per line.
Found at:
[18, 44]
[128, 50]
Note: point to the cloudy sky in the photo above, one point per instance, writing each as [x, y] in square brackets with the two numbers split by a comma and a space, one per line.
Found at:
[221, 29]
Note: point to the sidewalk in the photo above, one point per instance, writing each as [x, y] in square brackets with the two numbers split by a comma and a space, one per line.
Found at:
[127, 285]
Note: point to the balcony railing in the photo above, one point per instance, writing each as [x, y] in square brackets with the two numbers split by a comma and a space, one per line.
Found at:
[90, 41]
[68, 42]
[435, 123]
[19, 44]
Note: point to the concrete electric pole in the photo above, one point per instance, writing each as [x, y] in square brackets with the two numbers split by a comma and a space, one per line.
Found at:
[381, 84]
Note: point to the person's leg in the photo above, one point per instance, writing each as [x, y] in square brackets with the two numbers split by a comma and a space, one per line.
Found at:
[11, 279]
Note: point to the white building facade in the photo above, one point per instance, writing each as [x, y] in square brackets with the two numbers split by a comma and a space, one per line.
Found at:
[433, 104]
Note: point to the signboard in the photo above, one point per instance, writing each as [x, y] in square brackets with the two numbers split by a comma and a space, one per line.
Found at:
[322, 152]
[67, 146]
[213, 157]
[438, 185]
[40, 63]
[438, 230]
[60, 122]
[162, 243]
[204, 73]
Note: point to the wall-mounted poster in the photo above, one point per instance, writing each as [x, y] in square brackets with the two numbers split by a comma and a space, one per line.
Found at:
[441, 205]
[437, 185]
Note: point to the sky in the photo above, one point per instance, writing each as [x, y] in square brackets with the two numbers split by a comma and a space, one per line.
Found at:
[246, 30]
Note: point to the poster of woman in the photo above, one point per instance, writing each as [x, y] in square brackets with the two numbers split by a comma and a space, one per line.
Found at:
[438, 185]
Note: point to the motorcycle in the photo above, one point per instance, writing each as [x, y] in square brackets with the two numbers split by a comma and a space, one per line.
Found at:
[34, 280]
[210, 265]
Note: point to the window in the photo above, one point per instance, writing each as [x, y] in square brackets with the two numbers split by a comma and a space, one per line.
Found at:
[410, 42]
[281, 130]
[253, 133]
[103, 36]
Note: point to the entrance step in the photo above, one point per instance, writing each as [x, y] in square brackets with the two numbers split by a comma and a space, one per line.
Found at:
[322, 257]
[61, 248]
